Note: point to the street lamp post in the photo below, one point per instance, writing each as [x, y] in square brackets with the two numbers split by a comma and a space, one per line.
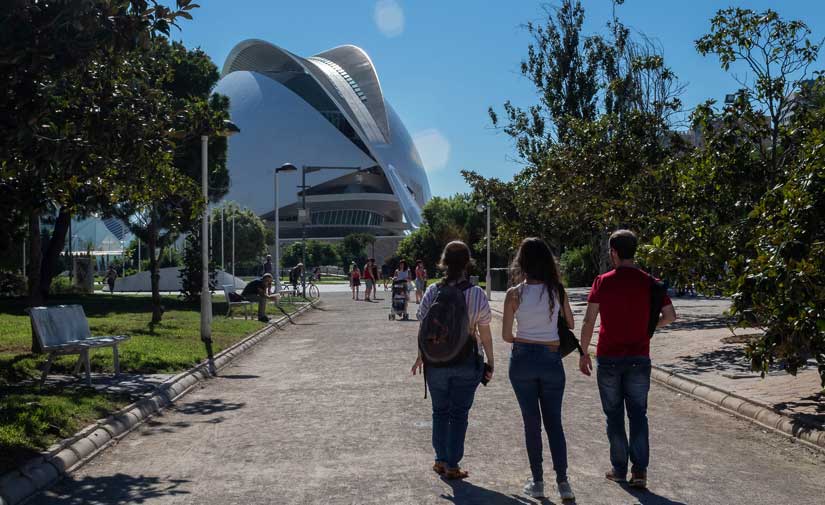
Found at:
[223, 219]
[206, 295]
[286, 167]
[233, 250]
[488, 279]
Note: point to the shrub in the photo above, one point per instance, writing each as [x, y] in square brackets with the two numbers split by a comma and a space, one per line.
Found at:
[577, 267]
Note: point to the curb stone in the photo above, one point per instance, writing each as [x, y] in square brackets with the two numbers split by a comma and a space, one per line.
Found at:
[18, 486]
[744, 408]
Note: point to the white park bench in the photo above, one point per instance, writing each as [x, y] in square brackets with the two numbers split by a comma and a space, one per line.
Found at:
[64, 329]
[228, 288]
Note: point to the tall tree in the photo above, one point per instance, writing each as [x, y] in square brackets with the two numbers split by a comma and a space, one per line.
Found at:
[56, 59]
[596, 142]
[187, 78]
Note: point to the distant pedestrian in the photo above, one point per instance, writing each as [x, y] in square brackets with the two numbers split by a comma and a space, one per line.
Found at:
[420, 280]
[296, 276]
[623, 298]
[316, 274]
[266, 268]
[355, 281]
[375, 277]
[111, 275]
[385, 274]
[402, 273]
[536, 303]
[453, 383]
[369, 280]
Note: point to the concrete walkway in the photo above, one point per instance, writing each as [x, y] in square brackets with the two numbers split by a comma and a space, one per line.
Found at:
[700, 346]
[327, 413]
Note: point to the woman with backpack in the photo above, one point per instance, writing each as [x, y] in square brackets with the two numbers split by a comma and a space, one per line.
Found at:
[537, 302]
[453, 371]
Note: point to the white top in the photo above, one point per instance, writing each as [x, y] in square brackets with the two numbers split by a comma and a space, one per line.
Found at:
[403, 275]
[535, 322]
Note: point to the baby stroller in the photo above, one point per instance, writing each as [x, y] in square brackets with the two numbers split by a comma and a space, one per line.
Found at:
[400, 297]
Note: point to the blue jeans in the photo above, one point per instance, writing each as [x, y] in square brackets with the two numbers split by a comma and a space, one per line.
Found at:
[537, 376]
[624, 384]
[452, 390]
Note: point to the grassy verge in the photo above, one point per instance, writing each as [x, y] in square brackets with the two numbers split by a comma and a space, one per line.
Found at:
[31, 418]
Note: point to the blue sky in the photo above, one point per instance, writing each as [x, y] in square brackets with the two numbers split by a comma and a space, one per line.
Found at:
[442, 63]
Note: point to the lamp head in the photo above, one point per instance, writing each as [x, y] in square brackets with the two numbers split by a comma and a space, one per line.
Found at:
[480, 207]
[229, 128]
[286, 167]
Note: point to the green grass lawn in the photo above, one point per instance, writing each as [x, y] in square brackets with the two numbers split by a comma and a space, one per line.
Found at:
[32, 418]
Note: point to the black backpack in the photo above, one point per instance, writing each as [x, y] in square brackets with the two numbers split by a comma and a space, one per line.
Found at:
[444, 337]
[658, 290]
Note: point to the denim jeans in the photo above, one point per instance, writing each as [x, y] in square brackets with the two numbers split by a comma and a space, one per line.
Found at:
[624, 384]
[452, 390]
[537, 376]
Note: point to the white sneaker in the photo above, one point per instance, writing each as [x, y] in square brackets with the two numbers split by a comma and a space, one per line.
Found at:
[565, 491]
[534, 489]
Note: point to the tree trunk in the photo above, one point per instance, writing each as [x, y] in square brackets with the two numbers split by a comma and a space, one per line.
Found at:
[48, 268]
[35, 254]
[154, 272]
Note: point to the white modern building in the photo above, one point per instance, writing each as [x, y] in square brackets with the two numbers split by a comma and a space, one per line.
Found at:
[326, 110]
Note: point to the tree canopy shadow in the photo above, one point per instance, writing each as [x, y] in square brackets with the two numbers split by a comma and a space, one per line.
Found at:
[208, 407]
[111, 489]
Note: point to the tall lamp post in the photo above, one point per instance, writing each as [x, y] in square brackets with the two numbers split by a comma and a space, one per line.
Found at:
[481, 207]
[206, 296]
[286, 167]
[304, 171]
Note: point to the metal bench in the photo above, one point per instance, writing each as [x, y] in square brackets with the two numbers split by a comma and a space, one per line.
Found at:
[64, 329]
[227, 289]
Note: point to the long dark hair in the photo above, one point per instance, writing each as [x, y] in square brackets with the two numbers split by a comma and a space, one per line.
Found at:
[535, 262]
[455, 260]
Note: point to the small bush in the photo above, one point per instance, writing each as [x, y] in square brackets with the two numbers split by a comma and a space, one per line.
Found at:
[577, 266]
[12, 284]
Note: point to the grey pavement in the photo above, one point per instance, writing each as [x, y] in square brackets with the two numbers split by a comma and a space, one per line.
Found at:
[328, 413]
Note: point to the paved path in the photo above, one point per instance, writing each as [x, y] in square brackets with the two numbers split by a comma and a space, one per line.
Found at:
[327, 413]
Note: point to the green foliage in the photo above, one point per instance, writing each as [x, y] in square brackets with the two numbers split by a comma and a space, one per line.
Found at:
[318, 254]
[597, 146]
[12, 284]
[354, 247]
[250, 235]
[577, 267]
[782, 286]
[447, 219]
[191, 273]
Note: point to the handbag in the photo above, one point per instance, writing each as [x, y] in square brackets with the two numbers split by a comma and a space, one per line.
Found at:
[567, 339]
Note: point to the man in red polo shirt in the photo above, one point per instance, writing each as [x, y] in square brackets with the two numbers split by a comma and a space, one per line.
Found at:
[622, 298]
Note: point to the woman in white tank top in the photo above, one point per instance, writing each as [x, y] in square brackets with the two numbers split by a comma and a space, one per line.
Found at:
[536, 370]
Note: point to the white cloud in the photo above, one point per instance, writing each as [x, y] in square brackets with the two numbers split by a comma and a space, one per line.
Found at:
[389, 17]
[433, 147]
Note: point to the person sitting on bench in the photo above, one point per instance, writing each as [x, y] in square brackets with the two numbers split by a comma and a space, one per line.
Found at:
[256, 291]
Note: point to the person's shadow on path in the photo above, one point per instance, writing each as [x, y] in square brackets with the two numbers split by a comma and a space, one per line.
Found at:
[467, 493]
[647, 497]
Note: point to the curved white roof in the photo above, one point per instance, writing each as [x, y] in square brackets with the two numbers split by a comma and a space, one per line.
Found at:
[341, 93]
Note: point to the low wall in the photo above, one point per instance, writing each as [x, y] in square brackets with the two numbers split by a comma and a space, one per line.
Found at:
[169, 281]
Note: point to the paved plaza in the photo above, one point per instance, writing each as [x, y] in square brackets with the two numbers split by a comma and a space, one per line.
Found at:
[328, 413]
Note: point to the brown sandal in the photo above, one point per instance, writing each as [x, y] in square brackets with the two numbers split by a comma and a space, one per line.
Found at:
[455, 474]
[439, 468]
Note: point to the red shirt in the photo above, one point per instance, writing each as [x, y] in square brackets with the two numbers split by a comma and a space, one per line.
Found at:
[623, 296]
[368, 272]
